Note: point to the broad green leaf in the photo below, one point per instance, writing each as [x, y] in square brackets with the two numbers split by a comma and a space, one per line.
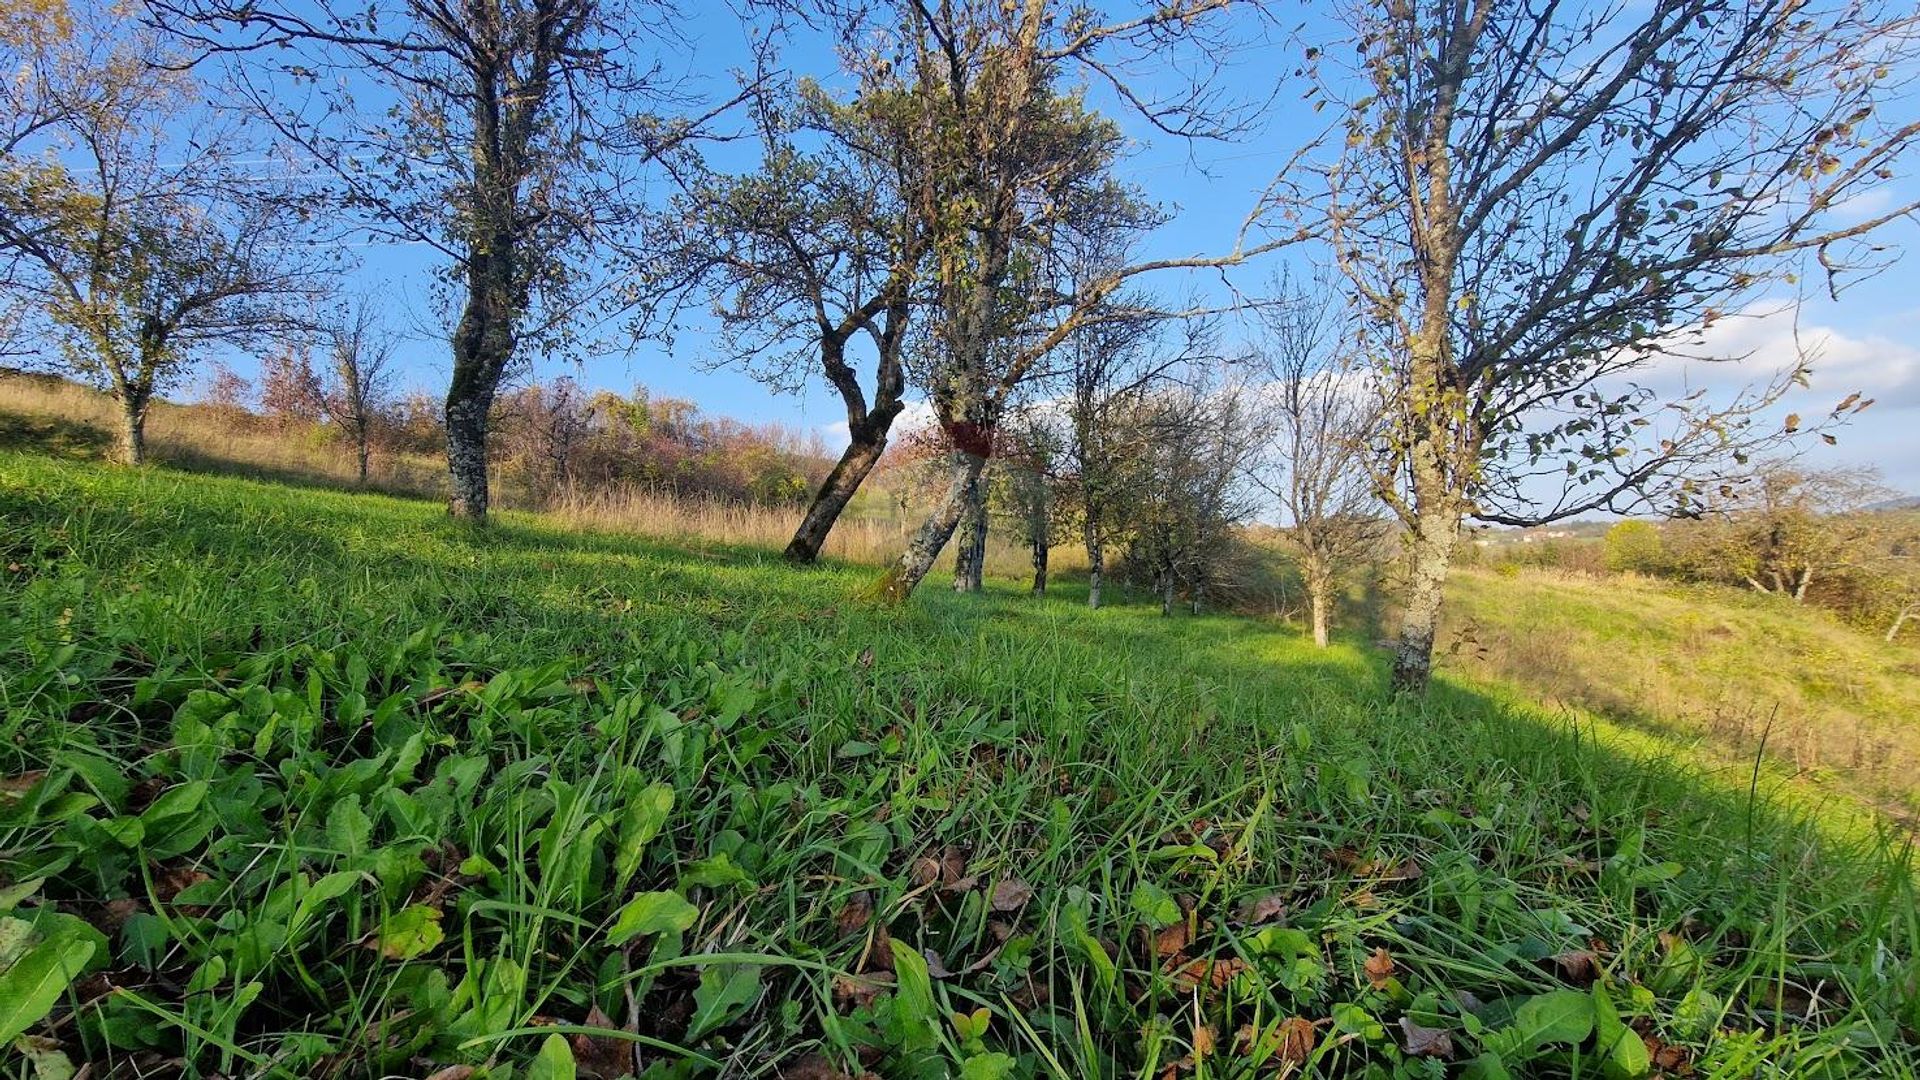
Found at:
[717, 872]
[33, 983]
[1559, 1016]
[987, 1067]
[348, 827]
[652, 913]
[554, 1062]
[640, 822]
[913, 996]
[409, 932]
[1156, 905]
[724, 991]
[11, 896]
[1622, 1055]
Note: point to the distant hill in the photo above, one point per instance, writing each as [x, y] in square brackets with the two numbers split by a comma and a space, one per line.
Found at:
[1904, 502]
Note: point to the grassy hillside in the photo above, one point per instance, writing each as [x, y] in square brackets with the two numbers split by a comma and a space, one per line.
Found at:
[317, 784]
[1725, 670]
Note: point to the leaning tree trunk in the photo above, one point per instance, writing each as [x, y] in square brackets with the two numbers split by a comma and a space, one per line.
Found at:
[1899, 621]
[858, 460]
[906, 575]
[969, 564]
[1096, 561]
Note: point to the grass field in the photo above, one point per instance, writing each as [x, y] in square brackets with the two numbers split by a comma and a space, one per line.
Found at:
[317, 784]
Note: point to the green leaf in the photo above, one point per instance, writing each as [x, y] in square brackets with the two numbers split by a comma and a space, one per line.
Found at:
[348, 827]
[409, 932]
[1560, 1016]
[34, 981]
[652, 913]
[1622, 1055]
[640, 822]
[554, 1062]
[717, 872]
[725, 990]
[11, 896]
[1155, 905]
[987, 1067]
[913, 996]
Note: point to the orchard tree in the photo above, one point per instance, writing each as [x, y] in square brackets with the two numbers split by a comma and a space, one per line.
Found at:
[137, 229]
[1539, 203]
[809, 257]
[1019, 166]
[1314, 466]
[502, 134]
[360, 356]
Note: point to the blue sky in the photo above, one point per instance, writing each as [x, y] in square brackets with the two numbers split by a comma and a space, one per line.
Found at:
[1870, 338]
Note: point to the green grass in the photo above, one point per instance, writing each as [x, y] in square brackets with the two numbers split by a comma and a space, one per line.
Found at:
[323, 785]
[1721, 668]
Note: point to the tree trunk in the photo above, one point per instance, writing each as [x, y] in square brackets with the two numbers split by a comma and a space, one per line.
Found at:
[1040, 553]
[133, 429]
[1166, 591]
[898, 583]
[1430, 555]
[467, 458]
[1096, 563]
[362, 448]
[1319, 601]
[969, 564]
[858, 460]
[1800, 590]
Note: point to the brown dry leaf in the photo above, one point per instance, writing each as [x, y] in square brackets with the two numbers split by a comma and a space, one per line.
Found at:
[924, 871]
[1290, 1042]
[1348, 858]
[1577, 966]
[1171, 941]
[817, 1067]
[1425, 1041]
[1010, 893]
[1203, 1042]
[854, 916]
[866, 657]
[860, 990]
[1380, 968]
[1404, 870]
[452, 1072]
[20, 785]
[1667, 1057]
[880, 950]
[1265, 909]
[1211, 973]
[603, 1055]
[936, 964]
[174, 880]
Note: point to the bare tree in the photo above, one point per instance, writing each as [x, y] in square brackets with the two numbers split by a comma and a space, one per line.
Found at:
[1538, 202]
[1314, 469]
[1785, 526]
[361, 354]
[136, 234]
[1030, 482]
[503, 134]
[809, 256]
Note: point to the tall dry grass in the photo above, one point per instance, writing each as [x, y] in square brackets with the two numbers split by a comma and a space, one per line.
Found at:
[855, 538]
[211, 439]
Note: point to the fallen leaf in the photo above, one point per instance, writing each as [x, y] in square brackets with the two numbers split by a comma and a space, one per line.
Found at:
[1203, 1042]
[1211, 973]
[854, 916]
[605, 1056]
[866, 657]
[452, 1072]
[1404, 870]
[1289, 1042]
[1577, 966]
[1425, 1041]
[1379, 968]
[1010, 893]
[815, 1067]
[860, 990]
[936, 964]
[1265, 909]
[1170, 941]
[1667, 1057]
